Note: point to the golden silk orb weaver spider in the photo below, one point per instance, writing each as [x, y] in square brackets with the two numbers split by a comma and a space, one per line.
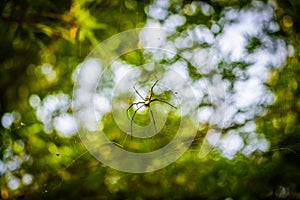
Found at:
[145, 103]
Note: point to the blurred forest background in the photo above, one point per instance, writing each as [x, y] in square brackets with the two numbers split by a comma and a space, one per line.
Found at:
[43, 42]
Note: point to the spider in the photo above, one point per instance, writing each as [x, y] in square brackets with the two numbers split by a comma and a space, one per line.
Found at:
[146, 103]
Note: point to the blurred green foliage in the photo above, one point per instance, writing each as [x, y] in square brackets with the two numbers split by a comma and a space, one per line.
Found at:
[36, 164]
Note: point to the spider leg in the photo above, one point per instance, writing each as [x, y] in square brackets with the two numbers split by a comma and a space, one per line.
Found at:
[137, 103]
[163, 102]
[154, 85]
[153, 119]
[133, 119]
[138, 93]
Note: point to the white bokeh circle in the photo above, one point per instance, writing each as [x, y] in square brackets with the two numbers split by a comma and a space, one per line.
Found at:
[99, 90]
